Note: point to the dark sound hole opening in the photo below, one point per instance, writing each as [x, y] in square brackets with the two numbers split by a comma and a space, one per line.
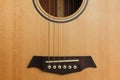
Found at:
[60, 8]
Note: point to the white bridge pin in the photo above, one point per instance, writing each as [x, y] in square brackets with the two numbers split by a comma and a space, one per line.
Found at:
[69, 67]
[54, 66]
[74, 67]
[64, 66]
[59, 67]
[49, 67]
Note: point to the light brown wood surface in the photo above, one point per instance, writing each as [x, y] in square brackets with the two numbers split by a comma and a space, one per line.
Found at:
[24, 33]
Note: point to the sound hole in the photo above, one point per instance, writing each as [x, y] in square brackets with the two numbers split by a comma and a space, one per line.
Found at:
[60, 8]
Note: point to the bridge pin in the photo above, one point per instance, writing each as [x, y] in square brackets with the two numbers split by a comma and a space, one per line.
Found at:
[64, 66]
[74, 67]
[49, 67]
[59, 67]
[69, 67]
[54, 66]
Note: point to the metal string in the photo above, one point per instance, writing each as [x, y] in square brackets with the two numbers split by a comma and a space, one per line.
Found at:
[58, 43]
[54, 33]
[68, 15]
[73, 8]
[49, 35]
[58, 36]
[66, 26]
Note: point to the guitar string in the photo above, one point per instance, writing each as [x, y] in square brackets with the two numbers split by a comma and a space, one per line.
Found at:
[69, 26]
[58, 36]
[70, 11]
[54, 33]
[73, 9]
[49, 35]
[67, 13]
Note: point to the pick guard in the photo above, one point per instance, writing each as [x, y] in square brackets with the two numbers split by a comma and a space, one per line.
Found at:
[70, 63]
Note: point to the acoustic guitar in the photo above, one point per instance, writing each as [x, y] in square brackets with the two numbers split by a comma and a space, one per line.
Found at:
[59, 39]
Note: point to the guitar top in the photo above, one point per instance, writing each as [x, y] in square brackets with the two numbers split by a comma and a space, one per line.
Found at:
[59, 39]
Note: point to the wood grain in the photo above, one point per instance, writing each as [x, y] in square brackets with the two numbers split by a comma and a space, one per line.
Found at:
[24, 33]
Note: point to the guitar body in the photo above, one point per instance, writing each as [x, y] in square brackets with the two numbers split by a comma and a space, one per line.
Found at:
[24, 34]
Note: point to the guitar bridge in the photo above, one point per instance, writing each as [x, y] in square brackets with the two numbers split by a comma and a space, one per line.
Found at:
[62, 65]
